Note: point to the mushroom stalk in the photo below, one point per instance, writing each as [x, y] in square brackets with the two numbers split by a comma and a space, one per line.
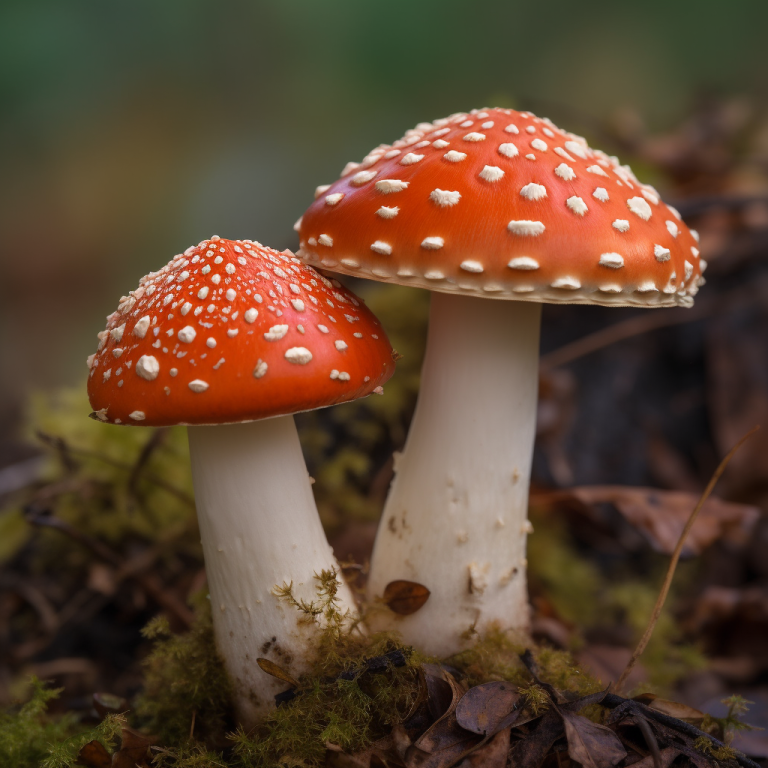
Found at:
[456, 518]
[260, 529]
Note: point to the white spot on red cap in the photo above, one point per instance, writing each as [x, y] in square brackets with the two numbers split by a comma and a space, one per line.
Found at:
[381, 247]
[276, 332]
[147, 367]
[455, 157]
[577, 205]
[325, 240]
[141, 327]
[250, 315]
[575, 148]
[533, 191]
[387, 213]
[639, 207]
[622, 225]
[568, 283]
[363, 177]
[432, 243]
[672, 228]
[601, 194]
[512, 128]
[470, 265]
[539, 145]
[491, 173]
[410, 158]
[260, 369]
[187, 334]
[444, 198]
[298, 355]
[508, 150]
[523, 262]
[612, 260]
[136, 416]
[474, 136]
[526, 228]
[334, 198]
[198, 385]
[565, 172]
[388, 186]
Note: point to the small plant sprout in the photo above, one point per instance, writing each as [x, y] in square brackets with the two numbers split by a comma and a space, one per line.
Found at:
[231, 338]
[496, 212]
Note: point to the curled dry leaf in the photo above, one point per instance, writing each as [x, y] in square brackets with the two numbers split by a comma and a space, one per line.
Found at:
[662, 515]
[134, 750]
[94, 755]
[272, 669]
[672, 708]
[592, 745]
[484, 708]
[405, 597]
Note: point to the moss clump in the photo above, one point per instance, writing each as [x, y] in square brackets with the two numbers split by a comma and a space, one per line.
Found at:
[496, 656]
[30, 738]
[186, 691]
[340, 701]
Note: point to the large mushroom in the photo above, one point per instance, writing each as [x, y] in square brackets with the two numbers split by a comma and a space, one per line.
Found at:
[503, 205]
[226, 333]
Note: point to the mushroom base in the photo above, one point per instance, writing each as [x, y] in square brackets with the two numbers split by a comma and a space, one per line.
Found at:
[260, 529]
[456, 517]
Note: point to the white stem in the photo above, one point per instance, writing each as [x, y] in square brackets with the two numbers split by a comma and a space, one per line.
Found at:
[456, 517]
[259, 528]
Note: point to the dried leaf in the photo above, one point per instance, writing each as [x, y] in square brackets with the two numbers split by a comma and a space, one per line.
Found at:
[445, 731]
[94, 755]
[133, 750]
[493, 754]
[672, 708]
[485, 707]
[272, 669]
[405, 597]
[662, 515]
[532, 750]
[668, 755]
[592, 745]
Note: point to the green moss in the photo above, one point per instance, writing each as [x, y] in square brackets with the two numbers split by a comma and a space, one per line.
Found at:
[29, 738]
[185, 684]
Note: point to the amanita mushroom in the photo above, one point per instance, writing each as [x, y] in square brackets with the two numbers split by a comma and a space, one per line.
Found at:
[231, 332]
[494, 204]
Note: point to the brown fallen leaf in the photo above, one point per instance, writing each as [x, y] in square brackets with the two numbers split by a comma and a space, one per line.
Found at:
[94, 755]
[134, 750]
[483, 708]
[592, 745]
[493, 754]
[272, 669]
[532, 750]
[672, 708]
[662, 515]
[668, 755]
[405, 597]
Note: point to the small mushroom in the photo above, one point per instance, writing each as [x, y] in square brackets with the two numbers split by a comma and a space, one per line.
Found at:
[237, 335]
[506, 206]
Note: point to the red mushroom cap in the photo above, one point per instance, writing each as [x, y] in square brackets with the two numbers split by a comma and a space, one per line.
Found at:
[503, 204]
[232, 331]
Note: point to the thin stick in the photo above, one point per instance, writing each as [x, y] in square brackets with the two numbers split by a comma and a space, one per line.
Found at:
[673, 564]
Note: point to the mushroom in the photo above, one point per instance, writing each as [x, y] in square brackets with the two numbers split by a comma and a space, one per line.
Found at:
[495, 212]
[226, 333]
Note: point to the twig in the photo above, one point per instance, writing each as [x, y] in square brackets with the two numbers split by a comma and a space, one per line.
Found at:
[673, 564]
[155, 441]
[613, 701]
[650, 740]
[147, 581]
[59, 444]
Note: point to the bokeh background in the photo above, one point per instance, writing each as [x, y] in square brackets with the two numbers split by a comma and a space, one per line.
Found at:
[131, 130]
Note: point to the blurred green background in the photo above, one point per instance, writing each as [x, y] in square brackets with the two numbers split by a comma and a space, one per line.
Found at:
[130, 130]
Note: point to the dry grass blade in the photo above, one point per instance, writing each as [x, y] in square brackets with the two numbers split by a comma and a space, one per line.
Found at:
[673, 564]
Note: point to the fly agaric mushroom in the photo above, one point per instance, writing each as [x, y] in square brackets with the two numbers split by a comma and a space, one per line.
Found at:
[231, 332]
[494, 204]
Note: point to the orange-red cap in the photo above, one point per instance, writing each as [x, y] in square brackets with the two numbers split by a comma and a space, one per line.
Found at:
[503, 204]
[232, 331]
